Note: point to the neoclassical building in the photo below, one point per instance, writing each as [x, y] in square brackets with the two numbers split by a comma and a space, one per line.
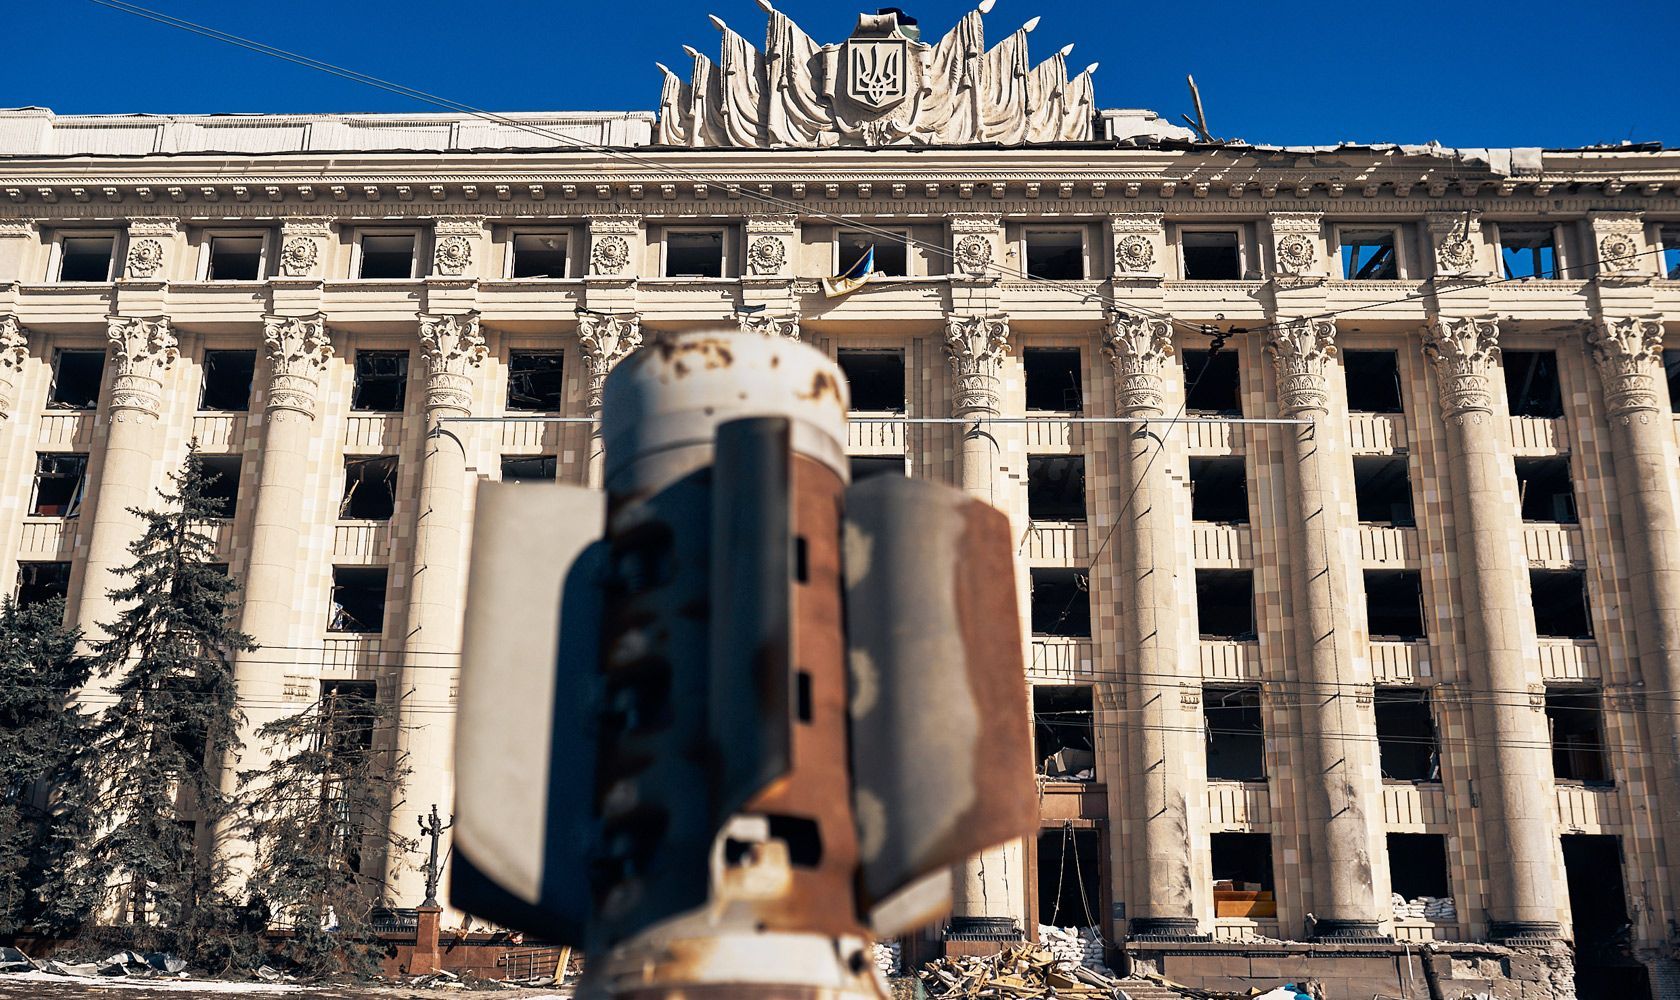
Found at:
[1344, 478]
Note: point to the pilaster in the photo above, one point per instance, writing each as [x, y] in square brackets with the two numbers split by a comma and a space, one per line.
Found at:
[14, 351]
[605, 340]
[1138, 242]
[1619, 248]
[767, 278]
[1298, 250]
[20, 248]
[976, 262]
[156, 251]
[306, 253]
[617, 251]
[1457, 247]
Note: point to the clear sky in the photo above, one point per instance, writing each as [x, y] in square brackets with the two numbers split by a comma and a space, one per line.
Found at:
[1464, 73]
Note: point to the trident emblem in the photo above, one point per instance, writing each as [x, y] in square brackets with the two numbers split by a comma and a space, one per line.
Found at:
[877, 71]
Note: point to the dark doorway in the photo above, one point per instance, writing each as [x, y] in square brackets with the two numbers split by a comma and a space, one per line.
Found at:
[1070, 877]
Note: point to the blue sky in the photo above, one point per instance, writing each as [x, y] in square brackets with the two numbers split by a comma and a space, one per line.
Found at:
[1540, 73]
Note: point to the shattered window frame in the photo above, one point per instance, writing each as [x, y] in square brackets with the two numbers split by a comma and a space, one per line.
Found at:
[1234, 729]
[382, 258]
[1208, 582]
[221, 484]
[83, 401]
[1537, 497]
[59, 467]
[1057, 499]
[362, 472]
[1064, 716]
[1404, 756]
[39, 581]
[1378, 478]
[851, 244]
[863, 467]
[369, 380]
[1577, 731]
[1669, 259]
[342, 617]
[1391, 597]
[863, 354]
[1361, 249]
[209, 391]
[1522, 368]
[1549, 589]
[1210, 496]
[1530, 250]
[217, 265]
[1058, 237]
[1061, 619]
[1194, 255]
[1199, 392]
[672, 234]
[1362, 366]
[522, 384]
[1039, 365]
[79, 262]
[515, 257]
[547, 468]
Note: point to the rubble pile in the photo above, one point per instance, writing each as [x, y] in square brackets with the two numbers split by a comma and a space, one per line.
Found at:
[1424, 908]
[1026, 971]
[889, 958]
[1079, 945]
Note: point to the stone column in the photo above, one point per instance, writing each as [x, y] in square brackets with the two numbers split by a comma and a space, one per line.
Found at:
[1628, 354]
[14, 350]
[1513, 784]
[142, 351]
[454, 349]
[1162, 687]
[1336, 745]
[606, 340]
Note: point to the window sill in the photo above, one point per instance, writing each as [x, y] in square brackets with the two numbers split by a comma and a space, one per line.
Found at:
[1590, 786]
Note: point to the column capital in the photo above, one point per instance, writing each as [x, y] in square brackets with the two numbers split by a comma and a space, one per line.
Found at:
[975, 346]
[1625, 350]
[1138, 347]
[606, 340]
[14, 349]
[770, 324]
[1463, 349]
[298, 349]
[145, 350]
[1301, 350]
[453, 347]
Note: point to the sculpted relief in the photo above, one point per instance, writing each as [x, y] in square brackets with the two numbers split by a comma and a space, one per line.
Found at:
[882, 86]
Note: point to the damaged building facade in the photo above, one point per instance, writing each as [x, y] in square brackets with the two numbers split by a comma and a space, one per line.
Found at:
[1362, 636]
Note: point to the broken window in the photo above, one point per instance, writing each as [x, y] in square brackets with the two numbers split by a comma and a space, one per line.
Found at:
[387, 256]
[1528, 251]
[348, 715]
[358, 599]
[891, 252]
[60, 482]
[529, 468]
[1598, 908]
[1546, 491]
[539, 255]
[235, 258]
[1061, 603]
[77, 377]
[1219, 490]
[1212, 384]
[534, 381]
[1070, 876]
[1561, 607]
[221, 482]
[1056, 487]
[1369, 254]
[1406, 743]
[1236, 734]
[86, 258]
[1531, 383]
[1671, 368]
[1225, 604]
[1417, 875]
[1055, 254]
[876, 379]
[1576, 719]
[868, 466]
[227, 381]
[1064, 732]
[1382, 490]
[39, 582]
[370, 488]
[1670, 267]
[1211, 256]
[1394, 604]
[694, 253]
[1052, 375]
[1242, 875]
[1373, 381]
[381, 382]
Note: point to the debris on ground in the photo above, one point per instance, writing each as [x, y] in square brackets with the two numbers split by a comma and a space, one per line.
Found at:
[1026, 971]
[12, 960]
[889, 958]
[1079, 945]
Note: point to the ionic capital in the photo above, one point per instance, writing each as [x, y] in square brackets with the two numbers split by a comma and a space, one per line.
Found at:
[453, 348]
[1463, 349]
[145, 350]
[298, 350]
[1301, 350]
[1626, 350]
[606, 340]
[770, 324]
[1138, 347]
[975, 346]
[14, 350]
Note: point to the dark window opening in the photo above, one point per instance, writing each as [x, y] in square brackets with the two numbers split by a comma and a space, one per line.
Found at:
[1561, 607]
[876, 379]
[388, 257]
[1056, 487]
[802, 836]
[529, 468]
[1373, 381]
[86, 258]
[235, 258]
[1225, 604]
[381, 382]
[358, 599]
[1547, 493]
[1052, 375]
[1070, 877]
[535, 381]
[802, 679]
[1064, 733]
[1382, 491]
[1369, 254]
[349, 714]
[1219, 490]
[868, 466]
[370, 489]
[694, 253]
[221, 482]
[891, 253]
[1407, 747]
[1576, 719]
[539, 256]
[77, 376]
[1394, 604]
[40, 582]
[1528, 251]
[1531, 383]
[1236, 734]
[1061, 603]
[1417, 866]
[1242, 875]
[1211, 256]
[1212, 384]
[1055, 256]
[227, 381]
[60, 483]
[1671, 368]
[1592, 867]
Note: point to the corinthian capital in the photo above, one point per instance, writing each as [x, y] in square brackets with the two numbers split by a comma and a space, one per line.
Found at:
[145, 349]
[1625, 350]
[14, 349]
[606, 340]
[1463, 349]
[975, 346]
[770, 324]
[453, 348]
[298, 349]
[1301, 350]
[1138, 347]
